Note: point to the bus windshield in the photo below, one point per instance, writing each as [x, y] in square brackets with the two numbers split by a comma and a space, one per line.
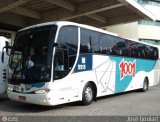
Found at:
[31, 56]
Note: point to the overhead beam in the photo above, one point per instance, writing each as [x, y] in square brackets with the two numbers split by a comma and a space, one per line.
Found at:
[89, 9]
[13, 19]
[13, 5]
[26, 12]
[70, 6]
[93, 11]
[97, 17]
[64, 4]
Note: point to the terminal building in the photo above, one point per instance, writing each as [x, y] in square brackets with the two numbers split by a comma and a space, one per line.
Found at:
[17, 14]
[143, 29]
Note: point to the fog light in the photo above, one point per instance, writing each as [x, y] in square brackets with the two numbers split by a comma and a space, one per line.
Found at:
[10, 88]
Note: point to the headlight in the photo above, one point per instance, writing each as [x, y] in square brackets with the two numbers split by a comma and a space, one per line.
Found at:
[42, 91]
[10, 88]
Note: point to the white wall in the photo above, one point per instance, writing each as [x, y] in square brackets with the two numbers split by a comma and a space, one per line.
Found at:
[149, 32]
[129, 30]
[154, 10]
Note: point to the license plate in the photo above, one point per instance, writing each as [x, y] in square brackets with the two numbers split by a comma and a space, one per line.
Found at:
[22, 98]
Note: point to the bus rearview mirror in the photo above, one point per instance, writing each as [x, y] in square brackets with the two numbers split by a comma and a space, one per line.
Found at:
[2, 57]
[7, 50]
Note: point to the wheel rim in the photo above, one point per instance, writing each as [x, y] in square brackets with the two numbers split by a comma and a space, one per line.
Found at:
[88, 94]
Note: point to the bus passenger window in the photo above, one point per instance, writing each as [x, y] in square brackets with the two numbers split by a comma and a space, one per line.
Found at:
[107, 44]
[89, 41]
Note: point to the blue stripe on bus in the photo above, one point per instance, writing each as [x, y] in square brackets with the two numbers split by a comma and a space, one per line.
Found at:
[141, 65]
[85, 62]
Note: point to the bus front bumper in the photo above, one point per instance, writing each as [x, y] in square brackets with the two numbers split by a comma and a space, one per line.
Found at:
[40, 99]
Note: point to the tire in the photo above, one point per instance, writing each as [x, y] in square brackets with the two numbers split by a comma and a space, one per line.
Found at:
[88, 94]
[145, 85]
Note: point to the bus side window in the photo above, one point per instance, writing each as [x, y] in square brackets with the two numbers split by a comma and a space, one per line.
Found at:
[85, 46]
[95, 43]
[154, 53]
[107, 44]
[89, 41]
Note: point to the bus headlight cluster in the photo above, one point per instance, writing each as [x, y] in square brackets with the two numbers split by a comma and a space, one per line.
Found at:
[10, 88]
[42, 91]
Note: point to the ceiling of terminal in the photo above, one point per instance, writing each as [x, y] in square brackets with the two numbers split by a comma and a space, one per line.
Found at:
[15, 14]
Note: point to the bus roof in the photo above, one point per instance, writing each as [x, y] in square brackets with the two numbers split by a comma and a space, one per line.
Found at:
[63, 23]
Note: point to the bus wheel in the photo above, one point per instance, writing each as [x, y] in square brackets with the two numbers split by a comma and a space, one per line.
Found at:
[88, 94]
[145, 85]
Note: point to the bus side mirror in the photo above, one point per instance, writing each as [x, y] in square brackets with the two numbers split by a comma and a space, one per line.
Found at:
[7, 48]
[2, 57]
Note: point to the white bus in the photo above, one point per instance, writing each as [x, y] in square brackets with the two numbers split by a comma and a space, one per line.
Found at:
[3, 65]
[61, 62]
